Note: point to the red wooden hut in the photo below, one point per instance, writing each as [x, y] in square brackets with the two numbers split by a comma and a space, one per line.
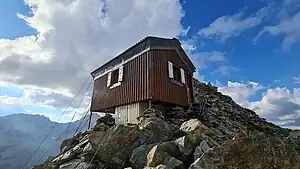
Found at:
[154, 71]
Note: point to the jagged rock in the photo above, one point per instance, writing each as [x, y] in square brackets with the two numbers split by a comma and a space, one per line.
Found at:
[138, 158]
[117, 145]
[87, 152]
[250, 151]
[45, 166]
[158, 156]
[198, 153]
[294, 139]
[71, 142]
[157, 167]
[201, 149]
[153, 127]
[67, 156]
[77, 164]
[194, 126]
[188, 143]
[106, 120]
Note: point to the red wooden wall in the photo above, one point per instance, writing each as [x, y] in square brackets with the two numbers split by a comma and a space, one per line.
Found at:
[140, 83]
[161, 86]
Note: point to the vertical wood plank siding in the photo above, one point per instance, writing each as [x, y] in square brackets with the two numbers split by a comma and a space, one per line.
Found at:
[132, 89]
[145, 77]
[161, 87]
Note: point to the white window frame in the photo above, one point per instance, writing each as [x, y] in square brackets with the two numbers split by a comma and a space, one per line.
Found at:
[171, 73]
[120, 77]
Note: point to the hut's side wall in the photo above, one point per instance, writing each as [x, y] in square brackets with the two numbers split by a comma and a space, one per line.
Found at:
[161, 87]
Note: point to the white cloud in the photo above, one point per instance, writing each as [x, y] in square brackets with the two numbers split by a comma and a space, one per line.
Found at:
[204, 59]
[225, 70]
[240, 92]
[289, 28]
[226, 27]
[278, 105]
[76, 36]
[297, 79]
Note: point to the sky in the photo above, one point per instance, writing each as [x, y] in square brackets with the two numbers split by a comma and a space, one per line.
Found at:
[248, 49]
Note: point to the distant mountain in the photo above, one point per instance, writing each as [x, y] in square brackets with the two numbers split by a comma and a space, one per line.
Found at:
[20, 134]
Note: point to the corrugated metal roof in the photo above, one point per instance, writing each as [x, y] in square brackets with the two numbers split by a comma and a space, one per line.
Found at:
[142, 45]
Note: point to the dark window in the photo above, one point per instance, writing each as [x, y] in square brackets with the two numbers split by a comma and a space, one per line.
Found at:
[114, 76]
[177, 74]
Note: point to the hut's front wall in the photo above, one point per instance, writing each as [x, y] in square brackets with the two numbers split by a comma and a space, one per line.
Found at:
[133, 87]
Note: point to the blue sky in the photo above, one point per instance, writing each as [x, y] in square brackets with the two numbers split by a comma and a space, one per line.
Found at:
[247, 48]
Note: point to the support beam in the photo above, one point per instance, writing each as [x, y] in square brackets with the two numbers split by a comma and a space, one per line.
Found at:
[150, 104]
[90, 120]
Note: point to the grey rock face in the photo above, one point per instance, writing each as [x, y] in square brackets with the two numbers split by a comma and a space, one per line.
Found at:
[138, 158]
[250, 151]
[153, 127]
[117, 145]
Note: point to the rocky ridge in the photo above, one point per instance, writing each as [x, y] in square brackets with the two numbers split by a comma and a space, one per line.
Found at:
[214, 133]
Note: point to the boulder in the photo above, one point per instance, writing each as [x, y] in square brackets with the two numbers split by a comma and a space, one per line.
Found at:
[117, 145]
[157, 167]
[187, 144]
[77, 164]
[71, 142]
[194, 126]
[153, 127]
[138, 158]
[67, 156]
[106, 120]
[201, 149]
[158, 156]
[250, 151]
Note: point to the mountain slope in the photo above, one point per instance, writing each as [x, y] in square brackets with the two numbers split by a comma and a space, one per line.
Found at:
[215, 132]
[20, 134]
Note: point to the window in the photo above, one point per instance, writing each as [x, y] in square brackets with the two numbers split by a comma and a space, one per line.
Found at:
[175, 73]
[115, 77]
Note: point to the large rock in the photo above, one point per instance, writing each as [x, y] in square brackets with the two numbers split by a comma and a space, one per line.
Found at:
[153, 127]
[138, 158]
[163, 154]
[71, 142]
[106, 120]
[188, 143]
[77, 164]
[194, 126]
[250, 151]
[201, 149]
[117, 145]
[67, 156]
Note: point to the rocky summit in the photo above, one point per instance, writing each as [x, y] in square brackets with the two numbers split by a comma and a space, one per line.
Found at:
[213, 133]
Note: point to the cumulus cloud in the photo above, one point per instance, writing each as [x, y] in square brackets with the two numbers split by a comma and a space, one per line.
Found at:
[240, 91]
[278, 105]
[76, 36]
[229, 26]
